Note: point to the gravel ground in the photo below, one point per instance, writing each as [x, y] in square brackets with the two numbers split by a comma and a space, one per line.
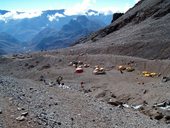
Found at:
[71, 106]
[54, 107]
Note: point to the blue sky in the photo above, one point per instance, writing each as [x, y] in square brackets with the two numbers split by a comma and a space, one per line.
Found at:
[22, 5]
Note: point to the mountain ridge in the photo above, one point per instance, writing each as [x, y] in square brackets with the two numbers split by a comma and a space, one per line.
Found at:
[28, 29]
[34, 22]
[8, 44]
[143, 31]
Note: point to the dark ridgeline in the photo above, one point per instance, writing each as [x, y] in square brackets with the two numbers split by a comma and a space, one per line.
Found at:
[116, 16]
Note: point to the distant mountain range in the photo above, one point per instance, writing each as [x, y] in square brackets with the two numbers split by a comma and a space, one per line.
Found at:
[50, 29]
[76, 28]
[2, 12]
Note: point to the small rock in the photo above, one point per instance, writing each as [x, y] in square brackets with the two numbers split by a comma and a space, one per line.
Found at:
[51, 97]
[55, 103]
[0, 111]
[24, 114]
[112, 95]
[51, 84]
[42, 78]
[26, 64]
[136, 107]
[100, 94]
[31, 66]
[145, 91]
[70, 64]
[10, 99]
[163, 104]
[20, 118]
[145, 103]
[45, 66]
[80, 62]
[126, 105]
[59, 123]
[159, 116]
[29, 122]
[60, 60]
[31, 88]
[167, 119]
[114, 102]
[37, 62]
[19, 109]
[165, 79]
[87, 91]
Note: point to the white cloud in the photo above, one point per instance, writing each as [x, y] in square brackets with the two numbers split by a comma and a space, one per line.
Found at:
[80, 8]
[85, 5]
[55, 17]
[111, 10]
[106, 11]
[15, 15]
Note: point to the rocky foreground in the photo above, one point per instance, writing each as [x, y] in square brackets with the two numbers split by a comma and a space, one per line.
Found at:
[112, 100]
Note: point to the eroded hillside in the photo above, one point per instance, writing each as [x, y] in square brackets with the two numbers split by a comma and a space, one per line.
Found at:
[142, 31]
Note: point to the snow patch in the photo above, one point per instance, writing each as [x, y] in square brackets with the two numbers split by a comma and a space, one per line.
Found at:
[55, 17]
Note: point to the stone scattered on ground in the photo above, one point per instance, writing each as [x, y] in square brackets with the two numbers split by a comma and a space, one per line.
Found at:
[20, 118]
[83, 100]
[24, 113]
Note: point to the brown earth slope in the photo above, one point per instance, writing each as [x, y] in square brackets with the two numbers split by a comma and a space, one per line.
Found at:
[142, 31]
[96, 105]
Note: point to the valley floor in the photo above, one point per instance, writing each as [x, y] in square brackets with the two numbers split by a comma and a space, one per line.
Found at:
[119, 100]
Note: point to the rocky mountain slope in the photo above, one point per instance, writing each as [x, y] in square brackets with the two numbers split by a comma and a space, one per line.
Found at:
[142, 31]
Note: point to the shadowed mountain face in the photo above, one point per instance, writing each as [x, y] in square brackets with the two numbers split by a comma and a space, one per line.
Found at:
[142, 31]
[8, 44]
[76, 28]
[2, 12]
[116, 16]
